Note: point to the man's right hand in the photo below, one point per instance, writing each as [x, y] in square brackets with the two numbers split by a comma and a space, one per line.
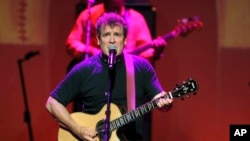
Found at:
[86, 134]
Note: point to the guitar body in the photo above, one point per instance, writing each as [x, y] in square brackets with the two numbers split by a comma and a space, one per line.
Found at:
[90, 121]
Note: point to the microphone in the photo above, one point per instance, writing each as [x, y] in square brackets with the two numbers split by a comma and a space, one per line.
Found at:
[112, 56]
[31, 54]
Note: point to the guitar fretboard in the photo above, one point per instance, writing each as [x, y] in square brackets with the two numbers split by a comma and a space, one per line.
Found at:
[132, 115]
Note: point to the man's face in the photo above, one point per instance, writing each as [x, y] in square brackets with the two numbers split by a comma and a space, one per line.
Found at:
[111, 36]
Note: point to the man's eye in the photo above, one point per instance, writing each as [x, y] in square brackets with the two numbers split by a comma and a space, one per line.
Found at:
[118, 34]
[105, 35]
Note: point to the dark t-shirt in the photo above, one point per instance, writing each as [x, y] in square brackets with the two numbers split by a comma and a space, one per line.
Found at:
[89, 81]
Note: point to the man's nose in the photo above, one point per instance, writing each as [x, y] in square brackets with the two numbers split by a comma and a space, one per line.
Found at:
[112, 39]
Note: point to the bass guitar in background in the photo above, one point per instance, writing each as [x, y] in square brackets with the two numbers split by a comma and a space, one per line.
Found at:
[184, 27]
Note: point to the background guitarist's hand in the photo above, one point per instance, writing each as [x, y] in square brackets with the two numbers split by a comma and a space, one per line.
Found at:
[159, 41]
[158, 44]
[150, 53]
[76, 49]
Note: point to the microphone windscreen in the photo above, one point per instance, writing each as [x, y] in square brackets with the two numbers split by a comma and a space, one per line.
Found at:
[112, 47]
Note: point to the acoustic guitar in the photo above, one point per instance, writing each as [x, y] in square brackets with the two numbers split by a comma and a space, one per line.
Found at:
[118, 120]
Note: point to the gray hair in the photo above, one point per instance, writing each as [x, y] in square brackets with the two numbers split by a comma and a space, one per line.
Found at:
[111, 19]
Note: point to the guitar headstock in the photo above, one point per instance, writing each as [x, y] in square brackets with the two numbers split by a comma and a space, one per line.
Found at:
[185, 89]
[187, 25]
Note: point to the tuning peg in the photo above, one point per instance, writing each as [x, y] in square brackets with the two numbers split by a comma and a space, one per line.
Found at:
[177, 86]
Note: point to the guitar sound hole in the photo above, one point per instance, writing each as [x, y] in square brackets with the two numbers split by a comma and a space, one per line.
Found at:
[100, 128]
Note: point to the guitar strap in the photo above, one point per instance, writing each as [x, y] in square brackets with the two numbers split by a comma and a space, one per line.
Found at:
[130, 81]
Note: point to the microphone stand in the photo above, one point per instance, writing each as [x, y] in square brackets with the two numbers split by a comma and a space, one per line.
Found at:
[27, 118]
[108, 111]
[90, 2]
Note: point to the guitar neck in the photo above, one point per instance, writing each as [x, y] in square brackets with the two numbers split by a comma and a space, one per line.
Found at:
[133, 115]
[166, 37]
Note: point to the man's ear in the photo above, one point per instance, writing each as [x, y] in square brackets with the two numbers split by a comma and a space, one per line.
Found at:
[125, 41]
[98, 42]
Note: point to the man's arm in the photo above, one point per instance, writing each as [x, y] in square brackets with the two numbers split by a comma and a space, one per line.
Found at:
[76, 39]
[62, 116]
